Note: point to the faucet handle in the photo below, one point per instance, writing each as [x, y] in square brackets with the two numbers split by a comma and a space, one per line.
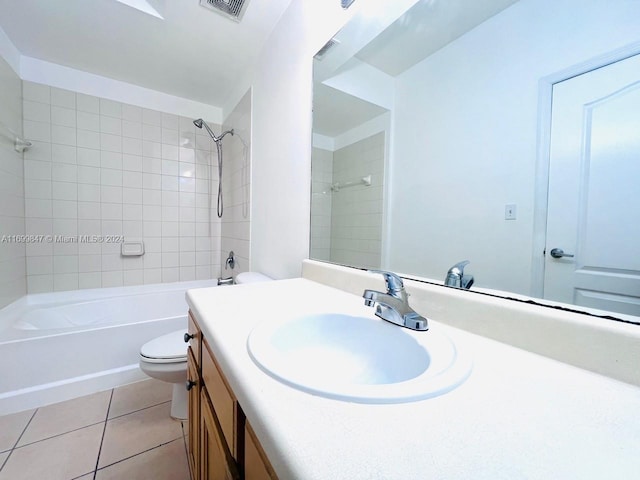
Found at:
[458, 268]
[393, 281]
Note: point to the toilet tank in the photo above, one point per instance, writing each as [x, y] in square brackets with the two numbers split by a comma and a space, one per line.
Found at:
[251, 277]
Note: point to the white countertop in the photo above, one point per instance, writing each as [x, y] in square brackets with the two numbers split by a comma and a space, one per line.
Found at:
[519, 415]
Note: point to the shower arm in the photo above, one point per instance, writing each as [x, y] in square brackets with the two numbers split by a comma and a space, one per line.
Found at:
[213, 135]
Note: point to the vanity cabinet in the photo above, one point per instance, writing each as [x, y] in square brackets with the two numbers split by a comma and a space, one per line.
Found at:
[221, 443]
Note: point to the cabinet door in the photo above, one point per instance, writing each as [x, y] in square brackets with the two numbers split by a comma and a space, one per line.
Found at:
[221, 396]
[256, 464]
[216, 462]
[193, 383]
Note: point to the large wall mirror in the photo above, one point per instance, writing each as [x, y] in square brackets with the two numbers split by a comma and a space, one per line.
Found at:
[497, 132]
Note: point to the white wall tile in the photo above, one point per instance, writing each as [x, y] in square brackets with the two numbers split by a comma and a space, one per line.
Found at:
[36, 111]
[36, 92]
[39, 131]
[131, 113]
[88, 121]
[151, 133]
[90, 280]
[101, 167]
[63, 135]
[88, 157]
[112, 160]
[88, 175]
[63, 116]
[64, 172]
[64, 191]
[110, 108]
[151, 117]
[111, 143]
[88, 139]
[132, 146]
[88, 103]
[63, 98]
[64, 154]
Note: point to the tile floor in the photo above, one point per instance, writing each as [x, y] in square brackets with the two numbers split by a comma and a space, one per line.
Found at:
[121, 434]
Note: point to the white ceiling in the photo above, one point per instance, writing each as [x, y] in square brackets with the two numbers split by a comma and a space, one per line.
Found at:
[336, 112]
[422, 30]
[193, 53]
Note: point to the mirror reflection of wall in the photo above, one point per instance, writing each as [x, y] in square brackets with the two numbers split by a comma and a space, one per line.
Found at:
[348, 202]
[471, 86]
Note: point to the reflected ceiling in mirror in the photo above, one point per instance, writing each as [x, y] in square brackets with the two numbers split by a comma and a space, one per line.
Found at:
[490, 131]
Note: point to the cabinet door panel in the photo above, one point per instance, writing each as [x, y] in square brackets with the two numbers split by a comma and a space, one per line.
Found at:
[216, 462]
[256, 464]
[221, 397]
[194, 417]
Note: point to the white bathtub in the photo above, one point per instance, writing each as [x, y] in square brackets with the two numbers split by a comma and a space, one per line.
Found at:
[56, 346]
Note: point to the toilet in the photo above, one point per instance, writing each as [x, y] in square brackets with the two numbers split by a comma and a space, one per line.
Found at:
[165, 358]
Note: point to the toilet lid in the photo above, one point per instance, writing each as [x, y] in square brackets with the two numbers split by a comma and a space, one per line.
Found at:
[166, 347]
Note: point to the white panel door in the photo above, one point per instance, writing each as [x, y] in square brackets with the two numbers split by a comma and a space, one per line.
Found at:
[594, 190]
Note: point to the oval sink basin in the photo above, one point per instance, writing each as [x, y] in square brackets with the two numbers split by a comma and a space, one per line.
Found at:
[358, 359]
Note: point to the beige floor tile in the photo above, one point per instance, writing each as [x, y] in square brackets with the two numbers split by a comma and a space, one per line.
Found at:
[11, 426]
[139, 431]
[58, 458]
[136, 396]
[168, 462]
[67, 416]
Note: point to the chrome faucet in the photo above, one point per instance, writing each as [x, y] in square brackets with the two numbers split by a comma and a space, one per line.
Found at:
[393, 306]
[456, 277]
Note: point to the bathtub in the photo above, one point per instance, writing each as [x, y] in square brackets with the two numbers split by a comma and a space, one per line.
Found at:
[57, 346]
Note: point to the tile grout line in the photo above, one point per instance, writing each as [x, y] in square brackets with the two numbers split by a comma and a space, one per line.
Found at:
[135, 455]
[186, 449]
[56, 435]
[18, 439]
[139, 410]
[106, 420]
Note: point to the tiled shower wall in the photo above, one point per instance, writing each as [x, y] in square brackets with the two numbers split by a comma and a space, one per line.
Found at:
[321, 180]
[236, 188]
[12, 251]
[100, 171]
[356, 212]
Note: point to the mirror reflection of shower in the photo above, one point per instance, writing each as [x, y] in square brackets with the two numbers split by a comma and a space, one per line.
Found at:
[218, 141]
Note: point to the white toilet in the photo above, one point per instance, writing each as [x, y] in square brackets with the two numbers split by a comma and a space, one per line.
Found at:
[165, 357]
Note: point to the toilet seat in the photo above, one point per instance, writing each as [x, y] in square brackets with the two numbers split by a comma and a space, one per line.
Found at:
[169, 348]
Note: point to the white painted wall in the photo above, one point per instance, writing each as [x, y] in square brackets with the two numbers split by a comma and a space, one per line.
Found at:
[470, 112]
[47, 73]
[281, 163]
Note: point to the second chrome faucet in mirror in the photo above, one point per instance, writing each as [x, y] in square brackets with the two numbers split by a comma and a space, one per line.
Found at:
[393, 306]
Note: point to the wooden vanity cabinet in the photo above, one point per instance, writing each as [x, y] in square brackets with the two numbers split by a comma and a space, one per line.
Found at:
[221, 443]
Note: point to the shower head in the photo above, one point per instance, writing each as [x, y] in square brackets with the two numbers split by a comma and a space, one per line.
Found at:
[201, 123]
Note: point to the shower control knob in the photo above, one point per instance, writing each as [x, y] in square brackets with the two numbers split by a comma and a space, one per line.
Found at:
[188, 337]
[191, 384]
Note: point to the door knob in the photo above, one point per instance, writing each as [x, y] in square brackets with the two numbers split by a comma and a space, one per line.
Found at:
[559, 253]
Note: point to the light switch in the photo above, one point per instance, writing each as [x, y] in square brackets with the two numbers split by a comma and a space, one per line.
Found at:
[510, 211]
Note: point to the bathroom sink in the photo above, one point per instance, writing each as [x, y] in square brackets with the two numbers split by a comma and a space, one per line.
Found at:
[357, 358]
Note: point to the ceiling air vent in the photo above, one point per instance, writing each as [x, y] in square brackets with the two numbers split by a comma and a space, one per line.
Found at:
[327, 46]
[233, 9]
